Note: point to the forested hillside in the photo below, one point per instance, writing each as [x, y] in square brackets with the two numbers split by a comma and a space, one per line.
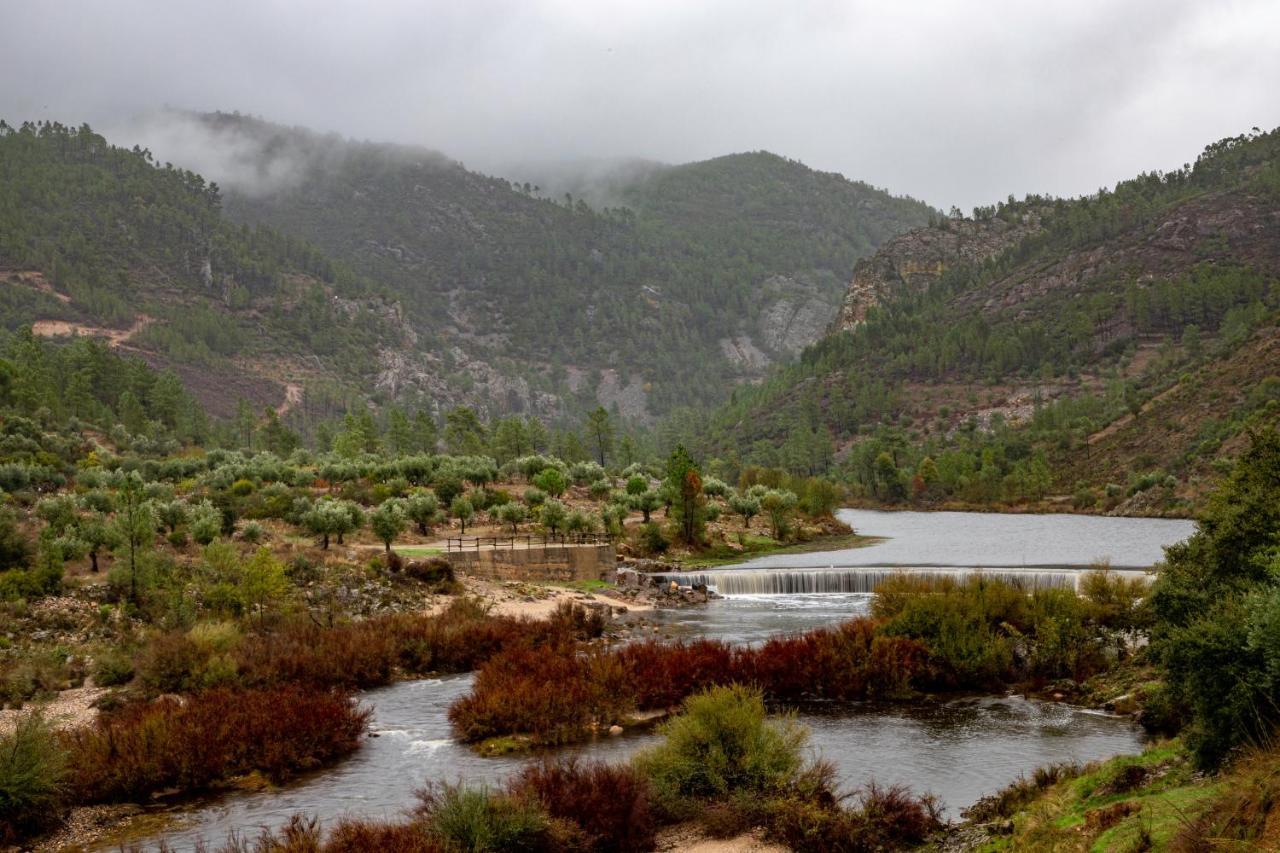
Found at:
[1116, 354]
[108, 243]
[700, 277]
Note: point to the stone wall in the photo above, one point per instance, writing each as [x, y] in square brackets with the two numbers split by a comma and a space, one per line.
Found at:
[552, 563]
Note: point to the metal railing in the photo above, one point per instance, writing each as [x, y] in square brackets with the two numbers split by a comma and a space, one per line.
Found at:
[543, 540]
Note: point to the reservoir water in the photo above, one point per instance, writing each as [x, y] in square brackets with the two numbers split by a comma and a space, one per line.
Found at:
[959, 750]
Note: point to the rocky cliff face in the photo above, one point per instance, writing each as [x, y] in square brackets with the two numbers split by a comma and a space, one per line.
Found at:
[913, 261]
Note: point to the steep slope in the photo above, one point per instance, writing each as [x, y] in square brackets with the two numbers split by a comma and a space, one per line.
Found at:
[1013, 370]
[912, 262]
[705, 274]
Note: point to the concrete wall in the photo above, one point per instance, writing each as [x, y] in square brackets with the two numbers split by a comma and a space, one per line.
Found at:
[553, 563]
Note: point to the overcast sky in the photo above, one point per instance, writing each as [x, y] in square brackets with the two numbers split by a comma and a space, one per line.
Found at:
[953, 102]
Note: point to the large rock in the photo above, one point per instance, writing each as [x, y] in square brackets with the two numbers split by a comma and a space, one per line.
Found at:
[913, 261]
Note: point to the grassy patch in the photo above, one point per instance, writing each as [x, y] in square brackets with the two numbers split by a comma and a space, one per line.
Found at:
[418, 551]
[583, 586]
[1135, 802]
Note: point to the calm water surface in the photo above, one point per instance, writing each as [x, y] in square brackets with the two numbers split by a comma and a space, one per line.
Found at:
[958, 750]
[991, 540]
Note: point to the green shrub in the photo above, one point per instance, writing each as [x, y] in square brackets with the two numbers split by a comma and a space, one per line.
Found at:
[112, 668]
[476, 820]
[33, 772]
[15, 551]
[652, 539]
[551, 481]
[206, 522]
[252, 532]
[721, 744]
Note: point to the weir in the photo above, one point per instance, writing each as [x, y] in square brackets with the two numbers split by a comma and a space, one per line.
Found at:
[796, 581]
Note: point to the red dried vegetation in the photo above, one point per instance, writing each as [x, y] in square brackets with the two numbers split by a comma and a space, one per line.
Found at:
[206, 738]
[847, 663]
[662, 675]
[608, 803]
[556, 693]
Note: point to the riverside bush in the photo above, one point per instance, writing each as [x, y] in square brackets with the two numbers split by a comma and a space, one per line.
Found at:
[609, 804]
[208, 737]
[475, 820]
[849, 662]
[723, 744]
[514, 692]
[33, 771]
[554, 693]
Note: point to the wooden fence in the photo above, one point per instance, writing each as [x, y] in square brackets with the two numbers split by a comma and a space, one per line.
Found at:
[546, 540]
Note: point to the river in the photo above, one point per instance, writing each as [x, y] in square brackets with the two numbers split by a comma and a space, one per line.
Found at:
[959, 750]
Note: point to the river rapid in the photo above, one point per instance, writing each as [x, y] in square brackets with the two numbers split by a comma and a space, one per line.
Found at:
[958, 750]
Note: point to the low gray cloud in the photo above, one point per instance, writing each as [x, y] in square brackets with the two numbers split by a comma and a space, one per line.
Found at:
[953, 102]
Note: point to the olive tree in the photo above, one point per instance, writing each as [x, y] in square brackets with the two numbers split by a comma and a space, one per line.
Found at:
[463, 510]
[553, 516]
[388, 521]
[423, 509]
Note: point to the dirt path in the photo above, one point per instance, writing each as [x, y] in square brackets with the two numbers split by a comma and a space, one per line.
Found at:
[115, 337]
[35, 280]
[689, 839]
[68, 710]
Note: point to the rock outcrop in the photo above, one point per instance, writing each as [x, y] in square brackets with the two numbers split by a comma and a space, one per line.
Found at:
[913, 261]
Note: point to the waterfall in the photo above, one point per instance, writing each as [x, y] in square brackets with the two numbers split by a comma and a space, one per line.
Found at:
[794, 581]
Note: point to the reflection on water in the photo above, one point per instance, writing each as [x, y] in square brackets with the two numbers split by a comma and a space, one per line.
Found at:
[963, 750]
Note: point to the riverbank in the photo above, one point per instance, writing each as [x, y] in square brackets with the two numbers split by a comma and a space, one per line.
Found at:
[1134, 507]
[1152, 801]
[765, 546]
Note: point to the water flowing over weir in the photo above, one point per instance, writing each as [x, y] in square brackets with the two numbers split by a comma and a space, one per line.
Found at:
[865, 579]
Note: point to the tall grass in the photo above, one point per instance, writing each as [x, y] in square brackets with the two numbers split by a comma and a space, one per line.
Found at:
[476, 820]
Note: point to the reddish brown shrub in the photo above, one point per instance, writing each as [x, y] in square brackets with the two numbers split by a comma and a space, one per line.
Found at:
[360, 837]
[883, 819]
[663, 675]
[897, 816]
[206, 738]
[551, 692]
[608, 803]
[354, 656]
[557, 694]
[848, 662]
